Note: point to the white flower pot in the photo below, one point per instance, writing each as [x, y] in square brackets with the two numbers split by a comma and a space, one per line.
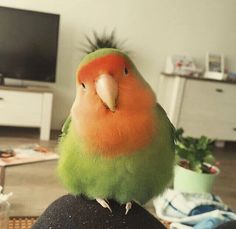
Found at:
[186, 180]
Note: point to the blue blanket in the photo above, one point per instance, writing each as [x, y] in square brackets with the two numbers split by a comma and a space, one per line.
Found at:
[192, 210]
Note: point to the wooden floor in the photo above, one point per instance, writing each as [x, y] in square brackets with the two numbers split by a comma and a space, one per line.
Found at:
[42, 178]
[225, 185]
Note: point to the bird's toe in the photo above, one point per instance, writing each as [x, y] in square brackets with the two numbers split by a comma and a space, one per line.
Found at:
[103, 203]
[128, 206]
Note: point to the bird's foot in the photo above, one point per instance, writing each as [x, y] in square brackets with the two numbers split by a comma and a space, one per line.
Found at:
[128, 206]
[103, 203]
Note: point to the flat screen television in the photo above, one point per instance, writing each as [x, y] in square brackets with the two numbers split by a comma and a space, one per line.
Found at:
[28, 44]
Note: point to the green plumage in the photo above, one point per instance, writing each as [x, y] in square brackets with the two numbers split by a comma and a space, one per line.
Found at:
[139, 176]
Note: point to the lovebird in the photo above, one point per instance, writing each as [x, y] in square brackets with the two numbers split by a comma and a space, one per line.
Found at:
[117, 142]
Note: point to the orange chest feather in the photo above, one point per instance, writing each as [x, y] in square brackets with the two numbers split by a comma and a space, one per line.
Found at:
[116, 135]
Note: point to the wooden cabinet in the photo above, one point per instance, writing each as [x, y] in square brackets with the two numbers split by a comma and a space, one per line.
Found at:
[201, 107]
[26, 107]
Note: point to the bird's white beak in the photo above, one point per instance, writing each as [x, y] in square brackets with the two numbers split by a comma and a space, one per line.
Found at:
[107, 90]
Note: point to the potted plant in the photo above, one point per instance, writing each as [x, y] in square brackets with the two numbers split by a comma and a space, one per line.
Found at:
[196, 166]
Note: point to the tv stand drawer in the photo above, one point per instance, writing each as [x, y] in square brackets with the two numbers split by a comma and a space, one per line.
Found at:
[19, 108]
[26, 109]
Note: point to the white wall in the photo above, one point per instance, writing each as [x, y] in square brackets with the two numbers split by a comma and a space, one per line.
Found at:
[153, 29]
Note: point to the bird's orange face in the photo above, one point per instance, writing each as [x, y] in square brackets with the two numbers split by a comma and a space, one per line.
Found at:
[110, 109]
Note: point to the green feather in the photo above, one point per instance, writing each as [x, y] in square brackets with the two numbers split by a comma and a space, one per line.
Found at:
[101, 52]
[66, 126]
[139, 176]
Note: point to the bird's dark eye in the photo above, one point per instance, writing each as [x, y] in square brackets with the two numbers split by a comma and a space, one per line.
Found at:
[83, 85]
[126, 71]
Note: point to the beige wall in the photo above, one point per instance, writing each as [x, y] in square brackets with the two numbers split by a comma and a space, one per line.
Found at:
[153, 29]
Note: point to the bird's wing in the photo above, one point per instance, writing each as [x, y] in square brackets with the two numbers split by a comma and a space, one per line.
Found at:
[166, 125]
[163, 114]
[65, 127]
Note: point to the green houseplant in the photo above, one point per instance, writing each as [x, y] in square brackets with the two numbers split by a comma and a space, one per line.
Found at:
[196, 166]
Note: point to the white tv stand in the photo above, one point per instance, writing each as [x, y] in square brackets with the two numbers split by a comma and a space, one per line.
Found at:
[26, 107]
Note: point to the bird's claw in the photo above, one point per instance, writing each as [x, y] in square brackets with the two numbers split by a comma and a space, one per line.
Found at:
[103, 203]
[128, 206]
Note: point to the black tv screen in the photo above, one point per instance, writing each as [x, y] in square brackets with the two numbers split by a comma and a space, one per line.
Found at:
[28, 44]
